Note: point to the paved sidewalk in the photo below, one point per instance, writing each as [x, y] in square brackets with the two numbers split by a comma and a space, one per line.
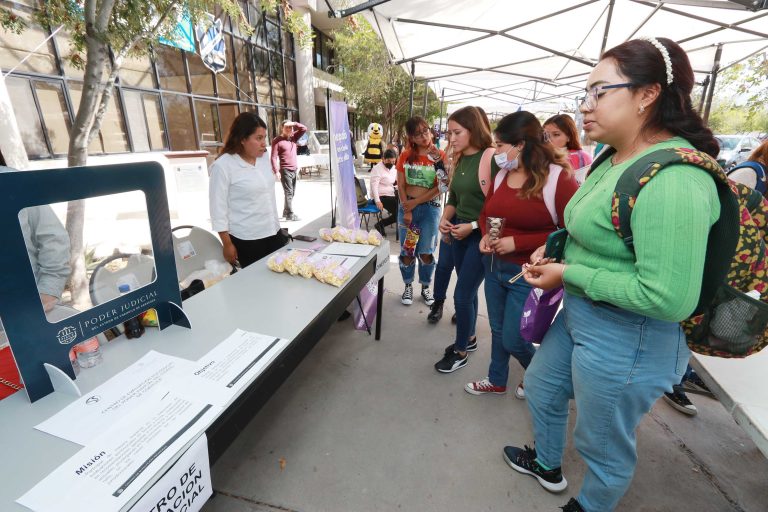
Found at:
[370, 426]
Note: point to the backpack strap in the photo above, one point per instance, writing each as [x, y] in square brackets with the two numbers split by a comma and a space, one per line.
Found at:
[548, 193]
[761, 185]
[484, 171]
[601, 157]
[724, 234]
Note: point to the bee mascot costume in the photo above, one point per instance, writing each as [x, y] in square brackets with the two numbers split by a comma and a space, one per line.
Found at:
[375, 146]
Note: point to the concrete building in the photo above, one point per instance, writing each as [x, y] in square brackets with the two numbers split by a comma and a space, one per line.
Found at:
[169, 102]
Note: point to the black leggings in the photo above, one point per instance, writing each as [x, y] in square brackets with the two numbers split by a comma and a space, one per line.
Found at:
[390, 204]
[250, 251]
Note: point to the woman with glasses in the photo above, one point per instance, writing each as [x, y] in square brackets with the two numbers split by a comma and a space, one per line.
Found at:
[564, 136]
[617, 346]
[470, 137]
[419, 209]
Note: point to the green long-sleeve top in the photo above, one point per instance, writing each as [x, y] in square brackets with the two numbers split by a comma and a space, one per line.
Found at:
[465, 193]
[670, 225]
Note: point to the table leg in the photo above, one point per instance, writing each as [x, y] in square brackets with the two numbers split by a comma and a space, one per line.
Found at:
[379, 301]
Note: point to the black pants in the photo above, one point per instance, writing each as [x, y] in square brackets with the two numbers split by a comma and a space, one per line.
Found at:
[390, 204]
[250, 251]
[288, 179]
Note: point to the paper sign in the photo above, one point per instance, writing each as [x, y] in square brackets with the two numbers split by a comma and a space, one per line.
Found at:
[185, 487]
[345, 249]
[218, 376]
[186, 250]
[116, 399]
[107, 473]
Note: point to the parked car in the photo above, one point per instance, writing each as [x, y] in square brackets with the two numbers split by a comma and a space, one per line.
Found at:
[735, 149]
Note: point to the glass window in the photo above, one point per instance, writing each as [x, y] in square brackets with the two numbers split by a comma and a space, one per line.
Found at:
[290, 83]
[225, 80]
[27, 117]
[170, 68]
[200, 76]
[317, 48]
[259, 36]
[207, 122]
[75, 94]
[53, 106]
[14, 47]
[261, 72]
[287, 43]
[154, 121]
[227, 113]
[181, 132]
[113, 132]
[244, 70]
[113, 135]
[273, 36]
[64, 46]
[134, 113]
[144, 120]
[137, 72]
[235, 25]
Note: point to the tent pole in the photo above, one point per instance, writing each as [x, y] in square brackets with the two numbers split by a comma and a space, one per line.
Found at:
[442, 104]
[426, 97]
[413, 84]
[330, 159]
[711, 90]
[704, 87]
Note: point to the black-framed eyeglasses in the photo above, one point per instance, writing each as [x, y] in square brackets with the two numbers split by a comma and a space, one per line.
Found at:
[589, 102]
[424, 133]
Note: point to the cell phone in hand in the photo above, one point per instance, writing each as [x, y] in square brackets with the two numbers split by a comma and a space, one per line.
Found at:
[556, 245]
[304, 238]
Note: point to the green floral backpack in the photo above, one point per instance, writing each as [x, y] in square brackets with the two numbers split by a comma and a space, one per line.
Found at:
[730, 320]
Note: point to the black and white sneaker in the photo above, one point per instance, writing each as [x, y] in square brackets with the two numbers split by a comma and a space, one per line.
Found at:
[523, 460]
[451, 362]
[407, 297]
[471, 346]
[426, 294]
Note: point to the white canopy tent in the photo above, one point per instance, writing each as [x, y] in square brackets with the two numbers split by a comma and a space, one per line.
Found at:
[503, 55]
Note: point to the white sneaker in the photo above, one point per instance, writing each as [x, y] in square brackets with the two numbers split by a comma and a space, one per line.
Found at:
[520, 392]
[407, 297]
[426, 294]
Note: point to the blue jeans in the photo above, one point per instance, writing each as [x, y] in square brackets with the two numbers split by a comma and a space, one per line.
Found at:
[426, 216]
[505, 305]
[470, 273]
[615, 364]
[443, 271]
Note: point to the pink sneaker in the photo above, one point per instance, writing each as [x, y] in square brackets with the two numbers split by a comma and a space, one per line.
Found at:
[483, 387]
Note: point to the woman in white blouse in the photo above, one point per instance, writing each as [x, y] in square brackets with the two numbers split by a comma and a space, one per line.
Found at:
[383, 178]
[242, 194]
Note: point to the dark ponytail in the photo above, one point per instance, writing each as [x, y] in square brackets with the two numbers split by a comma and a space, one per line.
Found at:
[643, 64]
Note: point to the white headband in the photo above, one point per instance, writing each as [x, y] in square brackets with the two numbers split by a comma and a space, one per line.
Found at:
[664, 54]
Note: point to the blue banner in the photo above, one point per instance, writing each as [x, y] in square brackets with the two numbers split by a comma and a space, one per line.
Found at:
[184, 35]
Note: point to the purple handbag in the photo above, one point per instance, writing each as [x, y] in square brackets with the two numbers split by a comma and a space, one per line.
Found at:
[539, 310]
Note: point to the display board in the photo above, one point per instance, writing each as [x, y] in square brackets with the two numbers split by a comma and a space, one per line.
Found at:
[36, 339]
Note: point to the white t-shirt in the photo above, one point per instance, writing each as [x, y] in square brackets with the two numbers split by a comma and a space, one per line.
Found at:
[242, 197]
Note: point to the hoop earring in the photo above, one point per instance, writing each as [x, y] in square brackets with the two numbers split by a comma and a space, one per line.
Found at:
[641, 109]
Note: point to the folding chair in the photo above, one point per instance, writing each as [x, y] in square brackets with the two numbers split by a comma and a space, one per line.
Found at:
[369, 208]
[138, 271]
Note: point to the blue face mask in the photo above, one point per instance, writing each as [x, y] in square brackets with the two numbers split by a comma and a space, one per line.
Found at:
[504, 163]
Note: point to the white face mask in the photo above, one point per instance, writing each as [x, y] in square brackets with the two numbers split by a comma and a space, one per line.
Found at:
[504, 163]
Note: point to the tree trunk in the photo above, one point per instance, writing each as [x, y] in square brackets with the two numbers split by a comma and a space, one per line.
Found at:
[96, 57]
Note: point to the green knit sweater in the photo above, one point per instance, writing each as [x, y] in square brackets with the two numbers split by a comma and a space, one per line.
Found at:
[670, 225]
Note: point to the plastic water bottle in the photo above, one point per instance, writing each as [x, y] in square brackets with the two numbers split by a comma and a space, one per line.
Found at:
[88, 353]
[73, 361]
[133, 327]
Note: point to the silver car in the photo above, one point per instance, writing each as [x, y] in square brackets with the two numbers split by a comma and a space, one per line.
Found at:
[735, 149]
